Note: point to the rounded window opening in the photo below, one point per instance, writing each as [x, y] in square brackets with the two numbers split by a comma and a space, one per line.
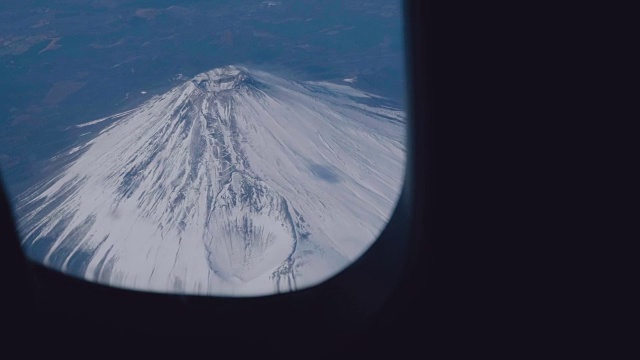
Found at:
[256, 154]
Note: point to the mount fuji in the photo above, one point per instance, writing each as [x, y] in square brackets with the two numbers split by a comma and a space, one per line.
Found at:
[234, 183]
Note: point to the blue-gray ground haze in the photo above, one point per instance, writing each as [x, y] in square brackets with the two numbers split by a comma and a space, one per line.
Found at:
[63, 62]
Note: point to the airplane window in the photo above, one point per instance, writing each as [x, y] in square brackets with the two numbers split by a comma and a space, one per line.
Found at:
[225, 148]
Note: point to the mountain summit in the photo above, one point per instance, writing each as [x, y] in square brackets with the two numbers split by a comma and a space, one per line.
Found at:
[226, 78]
[237, 182]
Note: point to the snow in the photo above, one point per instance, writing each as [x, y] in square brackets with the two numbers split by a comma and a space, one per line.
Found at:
[235, 183]
[75, 149]
[97, 121]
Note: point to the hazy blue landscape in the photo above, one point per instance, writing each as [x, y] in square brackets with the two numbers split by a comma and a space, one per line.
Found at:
[66, 61]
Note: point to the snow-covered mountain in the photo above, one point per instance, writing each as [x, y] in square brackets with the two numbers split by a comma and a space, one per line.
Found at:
[236, 182]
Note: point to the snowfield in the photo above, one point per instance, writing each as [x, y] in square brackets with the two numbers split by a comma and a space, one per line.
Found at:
[235, 183]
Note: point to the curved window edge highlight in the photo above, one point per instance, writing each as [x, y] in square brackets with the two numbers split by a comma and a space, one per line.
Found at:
[244, 180]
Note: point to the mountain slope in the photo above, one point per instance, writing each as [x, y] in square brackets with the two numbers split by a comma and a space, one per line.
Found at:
[236, 182]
